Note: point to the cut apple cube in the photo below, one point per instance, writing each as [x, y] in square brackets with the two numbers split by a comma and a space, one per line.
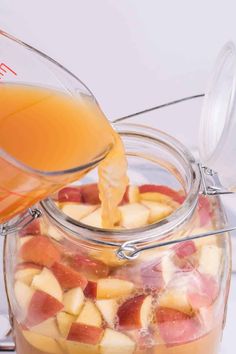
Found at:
[108, 309]
[73, 301]
[134, 215]
[109, 288]
[54, 233]
[135, 313]
[114, 342]
[47, 282]
[155, 197]
[23, 294]
[47, 328]
[68, 277]
[93, 219]
[26, 271]
[64, 321]
[175, 298]
[90, 315]
[43, 343]
[70, 194]
[210, 260]
[77, 211]
[158, 211]
[131, 195]
[23, 240]
[87, 334]
[168, 268]
[72, 347]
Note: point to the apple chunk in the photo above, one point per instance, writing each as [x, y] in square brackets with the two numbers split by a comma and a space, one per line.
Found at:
[163, 193]
[90, 315]
[95, 218]
[175, 298]
[108, 309]
[64, 321]
[109, 288]
[70, 194]
[210, 260]
[114, 342]
[73, 300]
[41, 307]
[23, 294]
[26, 271]
[131, 195]
[68, 277]
[83, 333]
[135, 312]
[40, 250]
[90, 194]
[77, 211]
[47, 282]
[42, 343]
[158, 211]
[47, 328]
[134, 215]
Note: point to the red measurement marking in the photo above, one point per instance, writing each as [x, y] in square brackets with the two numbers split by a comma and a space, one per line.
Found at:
[4, 69]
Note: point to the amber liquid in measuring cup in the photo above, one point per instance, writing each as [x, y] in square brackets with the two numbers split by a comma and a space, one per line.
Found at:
[46, 131]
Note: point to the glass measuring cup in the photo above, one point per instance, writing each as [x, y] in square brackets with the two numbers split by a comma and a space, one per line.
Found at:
[21, 185]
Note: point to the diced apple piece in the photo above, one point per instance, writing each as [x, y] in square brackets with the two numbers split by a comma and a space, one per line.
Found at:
[108, 309]
[71, 347]
[158, 211]
[114, 342]
[111, 288]
[54, 233]
[135, 312]
[134, 215]
[26, 271]
[94, 219]
[210, 260]
[43, 343]
[68, 277]
[40, 250]
[90, 194]
[165, 191]
[168, 268]
[41, 307]
[23, 294]
[91, 290]
[47, 282]
[175, 326]
[90, 315]
[202, 291]
[33, 228]
[155, 197]
[131, 195]
[70, 194]
[64, 321]
[47, 328]
[91, 268]
[185, 249]
[108, 257]
[77, 211]
[175, 298]
[83, 333]
[73, 301]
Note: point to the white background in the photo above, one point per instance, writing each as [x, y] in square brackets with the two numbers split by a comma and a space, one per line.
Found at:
[133, 54]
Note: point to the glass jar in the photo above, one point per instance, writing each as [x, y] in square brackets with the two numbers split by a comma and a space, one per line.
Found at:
[74, 288]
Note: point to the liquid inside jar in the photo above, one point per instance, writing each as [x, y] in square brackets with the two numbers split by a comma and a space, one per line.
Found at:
[74, 299]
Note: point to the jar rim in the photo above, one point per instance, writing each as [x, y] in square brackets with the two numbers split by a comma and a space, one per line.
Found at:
[153, 231]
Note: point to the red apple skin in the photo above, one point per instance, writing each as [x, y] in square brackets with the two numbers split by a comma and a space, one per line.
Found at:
[26, 265]
[129, 313]
[185, 249]
[203, 291]
[176, 327]
[82, 333]
[163, 190]
[91, 290]
[204, 210]
[90, 267]
[68, 277]
[151, 275]
[42, 306]
[40, 250]
[90, 194]
[70, 194]
[32, 228]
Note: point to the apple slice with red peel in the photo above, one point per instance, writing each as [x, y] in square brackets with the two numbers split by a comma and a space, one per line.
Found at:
[83, 333]
[90, 315]
[210, 258]
[23, 294]
[131, 195]
[203, 291]
[47, 282]
[108, 309]
[47, 328]
[114, 342]
[26, 271]
[77, 211]
[41, 342]
[90, 267]
[68, 277]
[185, 249]
[134, 215]
[70, 194]
[73, 301]
[135, 312]
[91, 290]
[158, 211]
[163, 190]
[41, 307]
[94, 219]
[64, 321]
[175, 298]
[109, 288]
[40, 250]
[52, 232]
[90, 194]
[176, 327]
[33, 228]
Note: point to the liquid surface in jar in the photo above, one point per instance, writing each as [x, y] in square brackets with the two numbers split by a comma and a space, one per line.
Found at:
[51, 131]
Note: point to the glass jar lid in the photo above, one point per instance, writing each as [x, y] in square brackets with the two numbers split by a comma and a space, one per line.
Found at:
[217, 138]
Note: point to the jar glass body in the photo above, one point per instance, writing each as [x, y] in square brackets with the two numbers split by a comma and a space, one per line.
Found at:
[169, 299]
